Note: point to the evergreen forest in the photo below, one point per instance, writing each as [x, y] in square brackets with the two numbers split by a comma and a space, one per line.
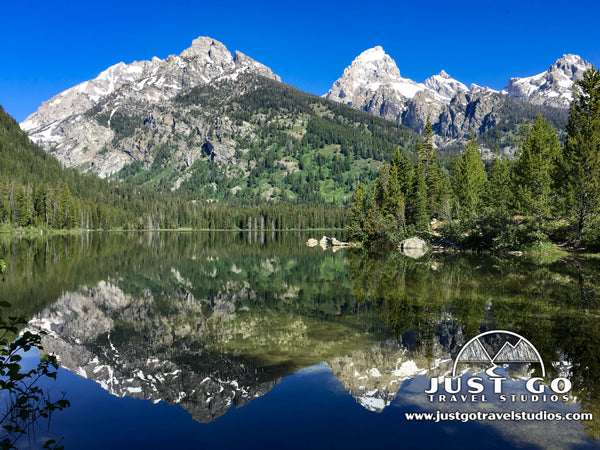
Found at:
[311, 156]
[549, 194]
[37, 192]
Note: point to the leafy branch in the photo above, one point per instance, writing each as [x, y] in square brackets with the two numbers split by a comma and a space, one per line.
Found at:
[26, 402]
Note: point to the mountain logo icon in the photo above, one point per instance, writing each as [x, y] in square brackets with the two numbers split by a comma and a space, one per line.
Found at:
[498, 347]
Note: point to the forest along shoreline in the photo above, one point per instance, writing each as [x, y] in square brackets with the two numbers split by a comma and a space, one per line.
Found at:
[546, 200]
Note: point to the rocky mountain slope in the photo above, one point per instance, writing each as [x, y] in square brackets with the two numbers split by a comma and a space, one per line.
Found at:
[217, 127]
[223, 126]
[65, 125]
[373, 83]
[553, 87]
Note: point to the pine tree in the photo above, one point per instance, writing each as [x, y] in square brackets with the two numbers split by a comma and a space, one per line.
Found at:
[535, 170]
[64, 201]
[382, 218]
[470, 180]
[393, 207]
[416, 214]
[39, 204]
[74, 214]
[425, 151]
[24, 207]
[374, 225]
[380, 189]
[5, 208]
[358, 215]
[581, 155]
[432, 170]
[444, 210]
[501, 186]
[52, 208]
[402, 172]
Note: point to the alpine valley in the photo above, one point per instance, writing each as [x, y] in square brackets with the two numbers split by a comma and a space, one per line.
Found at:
[225, 127]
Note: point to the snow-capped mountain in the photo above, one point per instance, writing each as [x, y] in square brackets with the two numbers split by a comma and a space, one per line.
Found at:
[375, 70]
[444, 86]
[373, 83]
[553, 87]
[129, 110]
[372, 70]
[63, 125]
[84, 96]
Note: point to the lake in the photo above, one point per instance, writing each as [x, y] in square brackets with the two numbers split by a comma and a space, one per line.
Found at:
[253, 340]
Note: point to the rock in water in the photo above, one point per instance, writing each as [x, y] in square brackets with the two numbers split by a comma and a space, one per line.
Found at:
[312, 242]
[325, 242]
[337, 243]
[413, 247]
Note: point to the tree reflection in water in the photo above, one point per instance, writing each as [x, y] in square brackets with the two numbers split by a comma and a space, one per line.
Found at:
[554, 303]
[246, 310]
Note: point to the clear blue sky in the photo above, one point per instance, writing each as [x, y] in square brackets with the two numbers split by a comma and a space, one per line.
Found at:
[49, 46]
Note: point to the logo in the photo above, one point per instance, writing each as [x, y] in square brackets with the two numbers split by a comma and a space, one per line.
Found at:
[515, 349]
[502, 356]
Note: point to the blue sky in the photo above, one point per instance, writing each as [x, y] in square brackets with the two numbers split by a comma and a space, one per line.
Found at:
[49, 46]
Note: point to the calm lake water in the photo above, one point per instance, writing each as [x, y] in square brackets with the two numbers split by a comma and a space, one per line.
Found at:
[253, 340]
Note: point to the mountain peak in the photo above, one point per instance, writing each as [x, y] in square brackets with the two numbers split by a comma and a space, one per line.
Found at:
[572, 66]
[444, 87]
[570, 58]
[372, 54]
[373, 63]
[373, 71]
[64, 126]
[553, 87]
[208, 48]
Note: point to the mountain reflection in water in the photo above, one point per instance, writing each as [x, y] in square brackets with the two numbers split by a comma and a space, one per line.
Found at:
[211, 320]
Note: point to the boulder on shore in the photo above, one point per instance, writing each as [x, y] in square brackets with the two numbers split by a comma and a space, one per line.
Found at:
[414, 247]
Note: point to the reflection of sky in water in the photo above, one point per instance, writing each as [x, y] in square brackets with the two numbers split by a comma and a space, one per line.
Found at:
[308, 409]
[545, 434]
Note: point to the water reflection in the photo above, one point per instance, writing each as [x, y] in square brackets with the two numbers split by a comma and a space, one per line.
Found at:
[211, 320]
[553, 303]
